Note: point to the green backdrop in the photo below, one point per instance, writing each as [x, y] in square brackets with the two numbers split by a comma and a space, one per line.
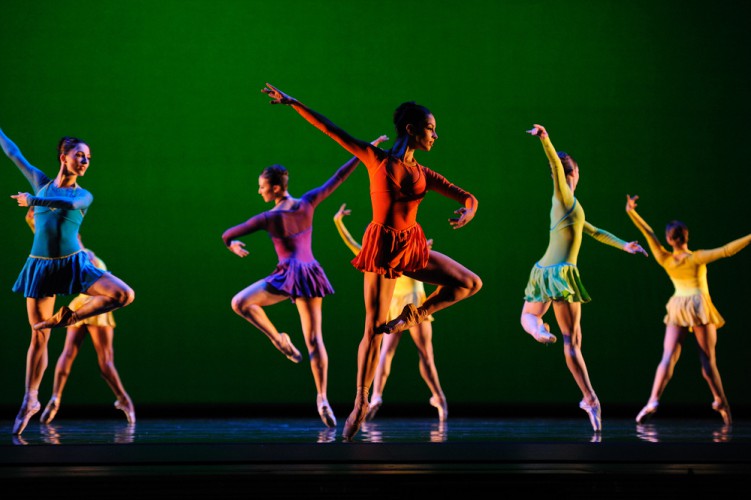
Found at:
[650, 97]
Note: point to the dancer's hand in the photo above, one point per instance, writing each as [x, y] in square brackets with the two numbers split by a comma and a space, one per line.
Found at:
[339, 215]
[21, 198]
[634, 247]
[631, 202]
[465, 215]
[430, 243]
[380, 140]
[539, 131]
[238, 248]
[277, 96]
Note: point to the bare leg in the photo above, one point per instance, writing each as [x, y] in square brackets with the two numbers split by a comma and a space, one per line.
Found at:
[36, 360]
[568, 315]
[671, 353]
[454, 283]
[378, 292]
[311, 319]
[107, 294]
[422, 335]
[706, 338]
[73, 339]
[249, 304]
[389, 343]
[531, 321]
[102, 338]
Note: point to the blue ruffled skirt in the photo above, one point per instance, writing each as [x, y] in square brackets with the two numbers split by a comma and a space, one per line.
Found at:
[46, 277]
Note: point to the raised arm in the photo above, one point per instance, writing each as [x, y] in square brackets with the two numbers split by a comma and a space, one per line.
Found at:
[658, 250]
[351, 243]
[561, 189]
[364, 150]
[36, 177]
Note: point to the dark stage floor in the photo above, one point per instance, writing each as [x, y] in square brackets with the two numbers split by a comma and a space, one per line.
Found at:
[391, 458]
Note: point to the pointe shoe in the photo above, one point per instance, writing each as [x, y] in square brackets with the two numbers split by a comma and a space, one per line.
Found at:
[647, 412]
[24, 415]
[65, 316]
[289, 350]
[50, 411]
[126, 407]
[595, 414]
[375, 405]
[326, 413]
[442, 406]
[410, 316]
[724, 411]
[354, 422]
[543, 335]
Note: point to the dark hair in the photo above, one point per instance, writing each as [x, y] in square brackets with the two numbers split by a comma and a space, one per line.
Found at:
[68, 143]
[277, 175]
[677, 231]
[569, 164]
[409, 113]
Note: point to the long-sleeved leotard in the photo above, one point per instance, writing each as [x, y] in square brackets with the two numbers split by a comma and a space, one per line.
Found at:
[556, 276]
[393, 242]
[57, 263]
[297, 273]
[690, 303]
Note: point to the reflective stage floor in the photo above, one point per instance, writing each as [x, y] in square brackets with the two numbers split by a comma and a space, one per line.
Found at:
[391, 458]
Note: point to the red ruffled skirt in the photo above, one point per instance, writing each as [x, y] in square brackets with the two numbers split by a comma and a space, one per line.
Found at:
[390, 252]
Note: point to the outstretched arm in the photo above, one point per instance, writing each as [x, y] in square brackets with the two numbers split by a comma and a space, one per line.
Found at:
[315, 196]
[351, 243]
[36, 177]
[361, 149]
[732, 248]
[610, 239]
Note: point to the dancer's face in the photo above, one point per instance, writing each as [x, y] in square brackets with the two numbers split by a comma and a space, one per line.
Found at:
[266, 190]
[425, 135]
[76, 161]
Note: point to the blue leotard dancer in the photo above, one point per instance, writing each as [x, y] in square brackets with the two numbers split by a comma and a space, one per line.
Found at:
[57, 263]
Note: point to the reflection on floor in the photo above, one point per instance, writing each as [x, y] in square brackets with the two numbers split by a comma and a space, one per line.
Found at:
[390, 458]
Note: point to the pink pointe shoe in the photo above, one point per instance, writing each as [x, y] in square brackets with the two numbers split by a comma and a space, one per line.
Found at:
[325, 412]
[375, 404]
[65, 316]
[289, 350]
[24, 415]
[354, 422]
[48, 415]
[126, 406]
[441, 406]
[595, 414]
[543, 335]
[724, 411]
[647, 412]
